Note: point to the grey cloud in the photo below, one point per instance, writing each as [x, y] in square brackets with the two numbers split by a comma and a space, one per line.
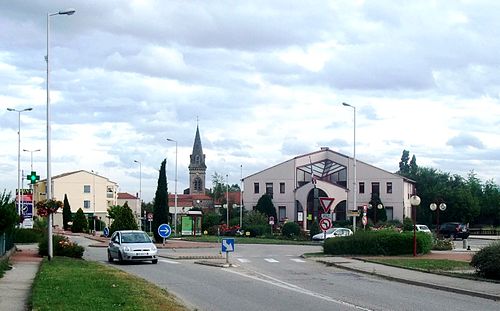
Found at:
[464, 140]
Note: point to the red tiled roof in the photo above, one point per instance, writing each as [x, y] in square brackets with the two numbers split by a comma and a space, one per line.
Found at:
[126, 196]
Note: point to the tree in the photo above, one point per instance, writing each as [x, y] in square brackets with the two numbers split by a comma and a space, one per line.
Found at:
[265, 206]
[8, 214]
[404, 168]
[376, 214]
[217, 193]
[79, 222]
[123, 219]
[160, 208]
[66, 213]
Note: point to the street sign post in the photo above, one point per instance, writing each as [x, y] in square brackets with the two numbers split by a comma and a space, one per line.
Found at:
[150, 219]
[227, 247]
[164, 231]
[325, 224]
[105, 231]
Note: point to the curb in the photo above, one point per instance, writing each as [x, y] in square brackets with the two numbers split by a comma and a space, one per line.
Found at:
[216, 264]
[417, 283]
[191, 257]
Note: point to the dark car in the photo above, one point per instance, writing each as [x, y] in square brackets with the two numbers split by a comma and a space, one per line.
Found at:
[454, 230]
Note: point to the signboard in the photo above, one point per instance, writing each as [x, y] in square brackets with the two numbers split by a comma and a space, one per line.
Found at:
[27, 209]
[105, 231]
[150, 216]
[326, 215]
[164, 230]
[325, 224]
[227, 245]
[300, 216]
[326, 203]
[352, 213]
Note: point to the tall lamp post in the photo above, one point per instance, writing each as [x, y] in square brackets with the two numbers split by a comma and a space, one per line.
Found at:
[175, 204]
[354, 184]
[19, 195]
[434, 207]
[49, 177]
[93, 192]
[140, 191]
[227, 199]
[241, 195]
[414, 201]
[31, 156]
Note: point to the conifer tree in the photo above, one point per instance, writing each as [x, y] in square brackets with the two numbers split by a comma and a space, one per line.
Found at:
[80, 223]
[67, 217]
[160, 208]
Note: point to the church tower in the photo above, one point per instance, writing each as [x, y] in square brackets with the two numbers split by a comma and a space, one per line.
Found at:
[197, 167]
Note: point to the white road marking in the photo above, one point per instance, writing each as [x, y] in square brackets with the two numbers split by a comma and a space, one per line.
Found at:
[169, 261]
[273, 281]
[271, 260]
[243, 260]
[297, 260]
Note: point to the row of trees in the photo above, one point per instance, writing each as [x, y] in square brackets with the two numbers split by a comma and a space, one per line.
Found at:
[468, 199]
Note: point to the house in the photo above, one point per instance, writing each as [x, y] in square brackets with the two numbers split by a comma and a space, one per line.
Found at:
[89, 191]
[133, 201]
[294, 184]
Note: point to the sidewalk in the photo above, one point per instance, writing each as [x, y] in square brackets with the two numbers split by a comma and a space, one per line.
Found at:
[15, 286]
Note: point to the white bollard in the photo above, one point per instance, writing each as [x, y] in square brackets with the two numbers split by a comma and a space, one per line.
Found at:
[464, 241]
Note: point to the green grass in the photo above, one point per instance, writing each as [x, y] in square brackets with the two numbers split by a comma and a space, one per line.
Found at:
[248, 240]
[74, 284]
[4, 266]
[432, 265]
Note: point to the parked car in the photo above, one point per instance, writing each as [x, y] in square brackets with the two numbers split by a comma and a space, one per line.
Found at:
[331, 233]
[423, 228]
[132, 245]
[454, 230]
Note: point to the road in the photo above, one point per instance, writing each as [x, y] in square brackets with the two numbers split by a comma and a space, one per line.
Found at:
[270, 277]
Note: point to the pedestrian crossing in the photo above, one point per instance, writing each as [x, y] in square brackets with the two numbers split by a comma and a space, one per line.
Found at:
[247, 260]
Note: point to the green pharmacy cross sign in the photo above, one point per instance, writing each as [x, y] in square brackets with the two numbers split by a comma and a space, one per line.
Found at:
[33, 177]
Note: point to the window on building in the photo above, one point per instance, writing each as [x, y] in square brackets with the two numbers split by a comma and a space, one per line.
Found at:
[197, 184]
[282, 187]
[86, 188]
[361, 187]
[86, 204]
[269, 188]
[197, 159]
[256, 187]
[389, 187]
[376, 187]
[282, 213]
[389, 211]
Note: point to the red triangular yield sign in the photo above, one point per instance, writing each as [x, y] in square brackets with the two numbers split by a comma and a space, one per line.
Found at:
[326, 203]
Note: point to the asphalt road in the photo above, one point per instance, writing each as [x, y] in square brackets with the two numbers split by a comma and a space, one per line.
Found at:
[270, 277]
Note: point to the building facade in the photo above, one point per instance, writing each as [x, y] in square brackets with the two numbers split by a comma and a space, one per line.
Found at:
[294, 185]
[133, 202]
[86, 190]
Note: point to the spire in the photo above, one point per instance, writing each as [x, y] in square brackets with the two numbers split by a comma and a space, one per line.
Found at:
[197, 156]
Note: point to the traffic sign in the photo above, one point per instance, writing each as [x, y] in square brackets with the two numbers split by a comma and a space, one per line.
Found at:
[271, 220]
[364, 220]
[326, 215]
[352, 213]
[228, 245]
[164, 230]
[325, 224]
[326, 203]
[150, 216]
[105, 231]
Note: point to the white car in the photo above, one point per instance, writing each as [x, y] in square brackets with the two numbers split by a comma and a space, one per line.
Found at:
[423, 228]
[132, 245]
[331, 233]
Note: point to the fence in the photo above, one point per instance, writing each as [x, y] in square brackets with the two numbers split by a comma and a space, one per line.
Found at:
[479, 231]
[6, 243]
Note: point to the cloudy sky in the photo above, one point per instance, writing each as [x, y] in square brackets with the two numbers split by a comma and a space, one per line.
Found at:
[266, 79]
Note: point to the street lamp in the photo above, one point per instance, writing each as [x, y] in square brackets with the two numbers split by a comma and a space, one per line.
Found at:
[227, 199]
[379, 206]
[241, 195]
[19, 195]
[48, 184]
[175, 213]
[414, 201]
[434, 207]
[31, 151]
[93, 192]
[140, 190]
[354, 168]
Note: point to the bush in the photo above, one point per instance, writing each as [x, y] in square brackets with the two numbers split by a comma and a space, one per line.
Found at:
[290, 230]
[22, 235]
[314, 229]
[258, 230]
[210, 220]
[407, 224]
[487, 260]
[442, 245]
[62, 246]
[381, 242]
[79, 222]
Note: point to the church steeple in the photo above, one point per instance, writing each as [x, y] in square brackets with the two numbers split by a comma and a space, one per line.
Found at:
[197, 167]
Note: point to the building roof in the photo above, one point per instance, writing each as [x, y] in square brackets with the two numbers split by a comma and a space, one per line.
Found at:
[76, 172]
[126, 196]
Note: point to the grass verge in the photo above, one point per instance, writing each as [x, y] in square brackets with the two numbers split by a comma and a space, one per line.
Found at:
[73, 284]
[4, 266]
[432, 265]
[249, 240]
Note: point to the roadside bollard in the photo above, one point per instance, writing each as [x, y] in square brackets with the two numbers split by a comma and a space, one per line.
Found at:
[464, 241]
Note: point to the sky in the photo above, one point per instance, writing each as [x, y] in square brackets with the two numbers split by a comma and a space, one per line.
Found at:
[263, 80]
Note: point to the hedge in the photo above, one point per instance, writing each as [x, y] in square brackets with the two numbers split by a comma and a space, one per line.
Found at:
[23, 235]
[62, 246]
[487, 261]
[382, 242]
